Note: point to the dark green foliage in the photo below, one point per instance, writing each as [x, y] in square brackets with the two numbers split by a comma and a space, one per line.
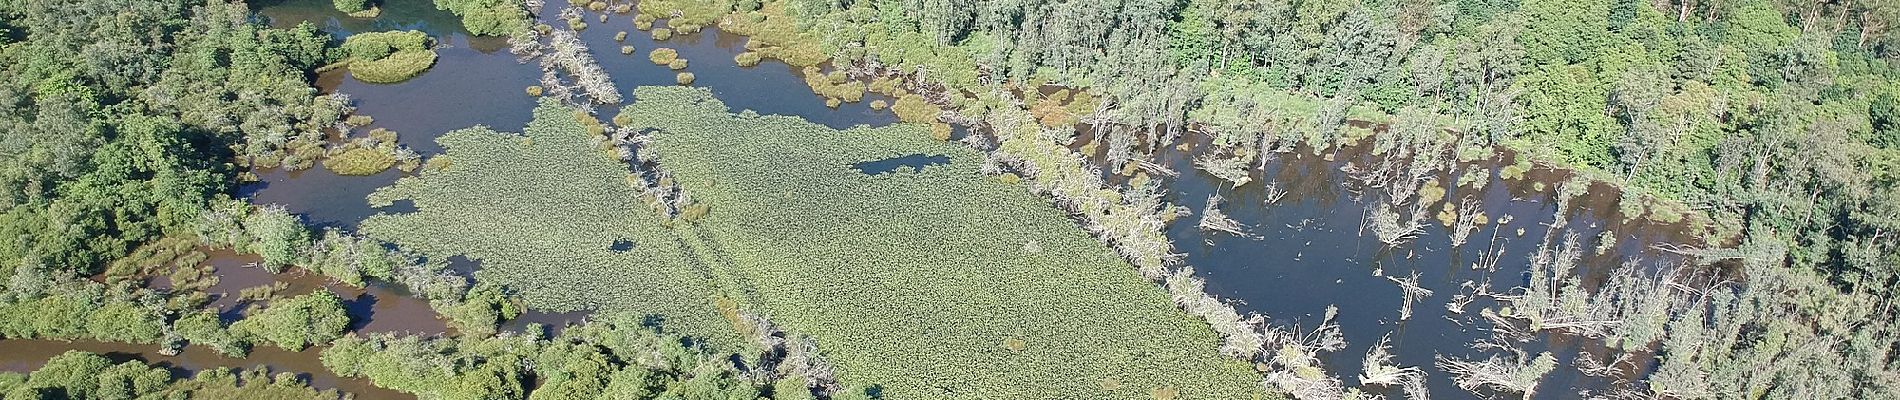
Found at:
[488, 17]
[82, 375]
[40, 307]
[350, 6]
[121, 114]
[388, 57]
[204, 328]
[294, 323]
[618, 359]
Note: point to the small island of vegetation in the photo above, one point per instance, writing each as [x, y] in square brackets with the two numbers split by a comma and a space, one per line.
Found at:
[388, 57]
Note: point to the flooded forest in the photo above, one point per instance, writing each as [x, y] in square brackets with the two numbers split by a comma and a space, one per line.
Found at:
[949, 199]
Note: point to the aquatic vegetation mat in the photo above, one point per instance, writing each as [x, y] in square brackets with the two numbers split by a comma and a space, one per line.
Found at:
[940, 282]
[935, 282]
[541, 211]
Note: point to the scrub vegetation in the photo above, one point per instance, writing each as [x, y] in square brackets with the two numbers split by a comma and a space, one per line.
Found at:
[388, 57]
[622, 359]
[489, 17]
[82, 375]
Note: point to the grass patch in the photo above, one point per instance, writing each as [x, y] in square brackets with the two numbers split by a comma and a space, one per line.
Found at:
[359, 161]
[388, 57]
[906, 278]
[663, 56]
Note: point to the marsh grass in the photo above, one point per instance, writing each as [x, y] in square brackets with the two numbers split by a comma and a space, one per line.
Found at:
[663, 56]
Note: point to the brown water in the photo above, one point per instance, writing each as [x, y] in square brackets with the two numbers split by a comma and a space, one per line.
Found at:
[27, 355]
[376, 308]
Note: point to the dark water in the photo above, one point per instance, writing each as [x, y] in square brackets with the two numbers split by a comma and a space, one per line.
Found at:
[915, 162]
[27, 355]
[1308, 252]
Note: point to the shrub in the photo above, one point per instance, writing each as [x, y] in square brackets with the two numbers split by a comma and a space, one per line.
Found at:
[276, 235]
[684, 78]
[747, 59]
[620, 36]
[913, 108]
[350, 6]
[677, 64]
[576, 24]
[663, 56]
[940, 131]
[626, 50]
[388, 57]
[879, 104]
[359, 161]
[534, 90]
[488, 17]
[662, 34]
[298, 322]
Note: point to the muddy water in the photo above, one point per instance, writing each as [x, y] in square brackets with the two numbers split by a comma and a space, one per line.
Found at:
[376, 308]
[28, 355]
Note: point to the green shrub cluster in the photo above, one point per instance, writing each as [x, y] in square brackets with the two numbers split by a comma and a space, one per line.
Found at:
[388, 57]
[351, 6]
[83, 375]
[125, 115]
[599, 360]
[488, 17]
[298, 322]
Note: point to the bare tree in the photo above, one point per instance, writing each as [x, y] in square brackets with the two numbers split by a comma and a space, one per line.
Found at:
[1411, 292]
[1515, 375]
[1212, 219]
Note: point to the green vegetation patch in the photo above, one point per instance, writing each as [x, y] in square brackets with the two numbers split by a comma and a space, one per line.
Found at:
[903, 278]
[541, 211]
[937, 283]
[388, 57]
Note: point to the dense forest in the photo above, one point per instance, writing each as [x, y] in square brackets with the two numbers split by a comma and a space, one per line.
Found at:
[1771, 126]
